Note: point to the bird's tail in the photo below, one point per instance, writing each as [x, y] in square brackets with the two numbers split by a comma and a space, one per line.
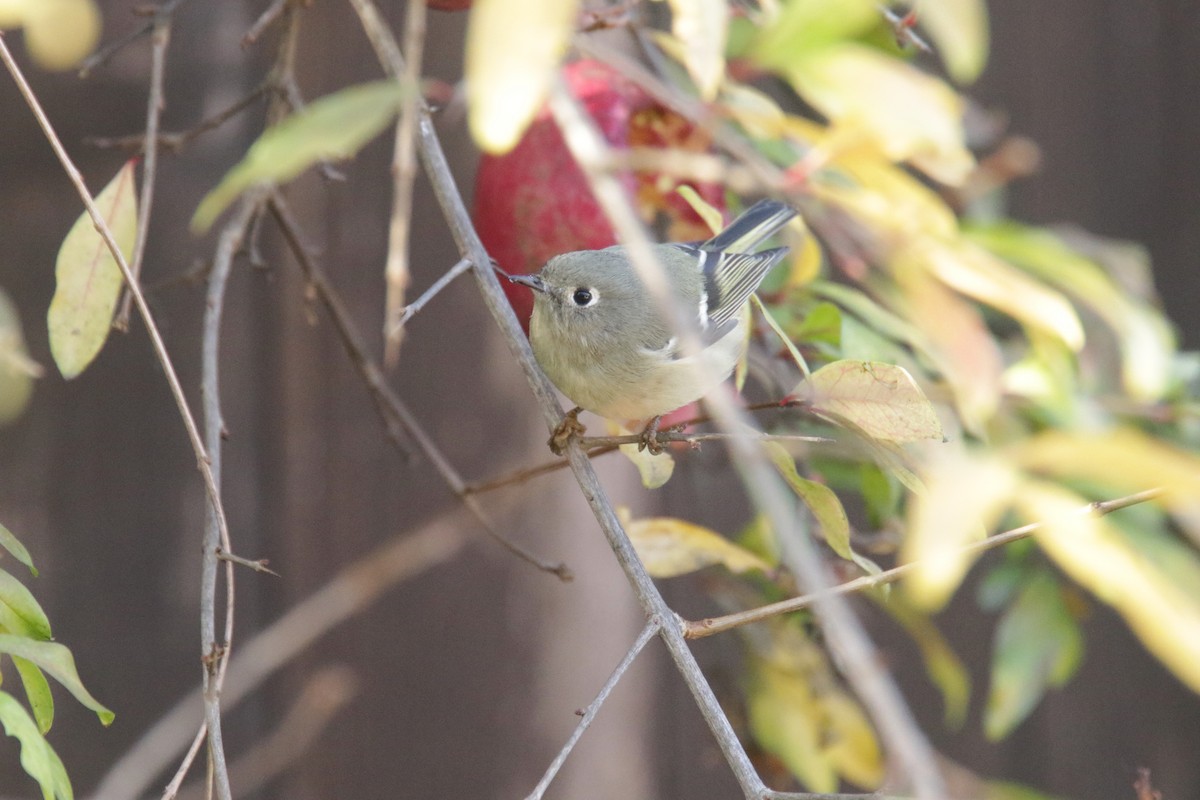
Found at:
[753, 227]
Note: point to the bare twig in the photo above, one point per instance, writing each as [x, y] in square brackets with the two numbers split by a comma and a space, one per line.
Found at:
[712, 625]
[396, 415]
[353, 589]
[175, 142]
[589, 714]
[102, 55]
[413, 308]
[160, 40]
[323, 696]
[597, 442]
[397, 271]
[265, 20]
[258, 564]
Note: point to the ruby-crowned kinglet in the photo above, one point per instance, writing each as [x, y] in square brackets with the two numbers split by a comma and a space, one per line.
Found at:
[607, 344]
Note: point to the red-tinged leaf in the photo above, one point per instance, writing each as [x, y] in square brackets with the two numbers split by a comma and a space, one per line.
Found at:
[882, 400]
[88, 279]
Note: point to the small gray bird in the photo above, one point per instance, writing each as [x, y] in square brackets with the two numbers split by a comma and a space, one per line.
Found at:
[608, 346]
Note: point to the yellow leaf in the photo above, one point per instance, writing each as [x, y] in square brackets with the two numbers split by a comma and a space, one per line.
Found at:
[976, 273]
[850, 743]
[60, 33]
[1124, 460]
[334, 127]
[513, 51]
[88, 280]
[655, 470]
[959, 29]
[701, 26]
[1162, 613]
[912, 116]
[820, 500]
[784, 719]
[670, 547]
[882, 400]
[12, 12]
[965, 496]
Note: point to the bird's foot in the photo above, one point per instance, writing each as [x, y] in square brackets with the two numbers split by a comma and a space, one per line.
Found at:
[570, 426]
[649, 440]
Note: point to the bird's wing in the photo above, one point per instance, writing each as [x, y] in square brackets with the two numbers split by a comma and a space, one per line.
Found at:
[729, 280]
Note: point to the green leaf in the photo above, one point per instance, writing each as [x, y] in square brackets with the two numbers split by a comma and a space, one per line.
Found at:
[17, 369]
[13, 545]
[20, 613]
[37, 756]
[332, 128]
[1038, 645]
[37, 690]
[513, 50]
[88, 280]
[806, 25]
[56, 660]
[882, 400]
[822, 502]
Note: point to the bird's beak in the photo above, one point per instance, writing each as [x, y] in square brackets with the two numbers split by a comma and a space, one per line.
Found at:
[532, 281]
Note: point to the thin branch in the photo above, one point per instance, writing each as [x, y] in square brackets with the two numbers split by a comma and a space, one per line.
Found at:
[665, 437]
[175, 142]
[228, 244]
[713, 625]
[160, 40]
[352, 590]
[258, 564]
[589, 714]
[397, 271]
[396, 415]
[413, 308]
[156, 340]
[265, 20]
[105, 53]
[172, 788]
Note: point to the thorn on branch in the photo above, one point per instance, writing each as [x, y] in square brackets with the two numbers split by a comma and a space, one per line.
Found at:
[258, 565]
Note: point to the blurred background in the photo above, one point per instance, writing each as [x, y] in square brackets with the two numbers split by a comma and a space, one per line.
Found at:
[463, 679]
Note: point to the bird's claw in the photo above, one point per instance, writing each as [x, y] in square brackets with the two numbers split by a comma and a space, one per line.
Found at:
[649, 440]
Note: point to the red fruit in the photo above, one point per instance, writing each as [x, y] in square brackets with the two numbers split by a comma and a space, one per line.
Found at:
[534, 202]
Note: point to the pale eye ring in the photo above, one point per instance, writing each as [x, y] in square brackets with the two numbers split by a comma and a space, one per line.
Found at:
[584, 297]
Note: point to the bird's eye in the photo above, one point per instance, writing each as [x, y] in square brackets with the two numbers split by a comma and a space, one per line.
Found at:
[583, 297]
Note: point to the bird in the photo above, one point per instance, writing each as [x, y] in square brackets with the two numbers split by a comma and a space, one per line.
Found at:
[609, 346]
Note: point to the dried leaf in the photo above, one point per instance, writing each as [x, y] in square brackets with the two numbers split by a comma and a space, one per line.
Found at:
[513, 51]
[88, 280]
[882, 400]
[670, 547]
[332, 128]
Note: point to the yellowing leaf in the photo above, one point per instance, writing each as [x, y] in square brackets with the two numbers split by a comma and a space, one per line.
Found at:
[882, 400]
[784, 718]
[17, 369]
[60, 33]
[1164, 614]
[912, 116]
[824, 505]
[669, 547]
[332, 128]
[971, 270]
[513, 50]
[965, 496]
[959, 29]
[755, 111]
[1038, 646]
[1143, 336]
[1124, 459]
[850, 743]
[655, 470]
[12, 12]
[883, 197]
[701, 26]
[88, 280]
